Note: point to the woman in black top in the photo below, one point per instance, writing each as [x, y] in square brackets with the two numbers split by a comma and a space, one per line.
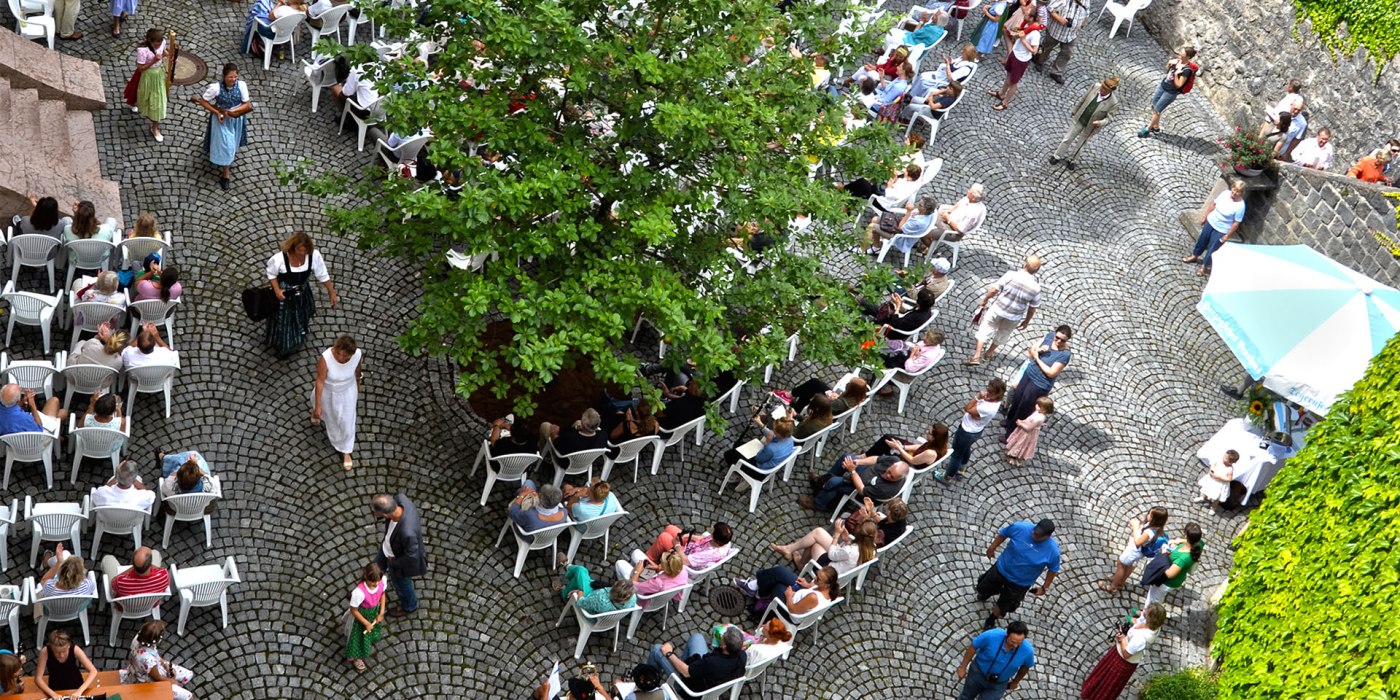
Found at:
[59, 669]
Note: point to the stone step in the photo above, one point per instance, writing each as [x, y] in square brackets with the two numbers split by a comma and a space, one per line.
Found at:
[82, 143]
[24, 118]
[53, 135]
[29, 64]
[4, 101]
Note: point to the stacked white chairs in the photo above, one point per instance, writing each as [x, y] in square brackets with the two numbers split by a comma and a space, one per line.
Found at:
[88, 315]
[161, 313]
[62, 608]
[510, 468]
[756, 484]
[119, 520]
[630, 452]
[677, 436]
[204, 587]
[32, 250]
[30, 309]
[192, 508]
[86, 379]
[588, 623]
[150, 379]
[592, 529]
[575, 463]
[90, 254]
[661, 600]
[544, 538]
[131, 607]
[28, 448]
[284, 31]
[55, 522]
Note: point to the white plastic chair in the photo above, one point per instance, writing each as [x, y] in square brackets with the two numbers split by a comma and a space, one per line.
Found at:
[376, 115]
[851, 414]
[888, 244]
[714, 693]
[133, 251]
[55, 522]
[86, 379]
[284, 31]
[630, 452]
[677, 437]
[660, 600]
[94, 443]
[593, 528]
[854, 498]
[946, 292]
[119, 520]
[319, 76]
[150, 379]
[974, 10]
[161, 313]
[35, 375]
[12, 598]
[588, 623]
[330, 23]
[1122, 11]
[353, 23]
[89, 254]
[62, 608]
[512, 468]
[88, 315]
[30, 309]
[32, 249]
[916, 473]
[731, 397]
[890, 546]
[8, 517]
[854, 577]
[661, 351]
[812, 444]
[407, 150]
[204, 587]
[755, 671]
[902, 380]
[190, 508]
[131, 607]
[32, 27]
[755, 484]
[544, 538]
[698, 576]
[796, 623]
[27, 448]
[580, 462]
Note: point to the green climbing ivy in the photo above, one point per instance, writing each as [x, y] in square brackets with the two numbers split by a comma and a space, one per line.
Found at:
[1343, 25]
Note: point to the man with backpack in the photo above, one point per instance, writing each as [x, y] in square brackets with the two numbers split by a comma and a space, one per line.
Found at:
[1180, 78]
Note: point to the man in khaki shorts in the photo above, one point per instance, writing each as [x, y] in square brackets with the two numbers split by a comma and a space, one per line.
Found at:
[1017, 294]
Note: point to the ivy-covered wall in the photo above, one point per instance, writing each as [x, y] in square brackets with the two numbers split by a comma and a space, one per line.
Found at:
[1249, 48]
[1313, 607]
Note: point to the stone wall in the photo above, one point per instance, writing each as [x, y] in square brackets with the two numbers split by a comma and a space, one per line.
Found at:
[1248, 50]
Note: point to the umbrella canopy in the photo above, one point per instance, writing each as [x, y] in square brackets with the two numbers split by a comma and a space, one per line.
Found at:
[1301, 321]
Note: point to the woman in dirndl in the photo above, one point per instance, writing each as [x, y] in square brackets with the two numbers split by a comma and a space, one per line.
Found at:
[290, 271]
[150, 90]
[367, 610]
[1111, 674]
[227, 103]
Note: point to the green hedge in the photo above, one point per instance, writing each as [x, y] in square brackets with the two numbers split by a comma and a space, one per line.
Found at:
[1313, 607]
[1186, 684]
[1343, 25]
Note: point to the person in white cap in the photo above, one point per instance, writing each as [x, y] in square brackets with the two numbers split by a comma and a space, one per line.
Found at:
[937, 280]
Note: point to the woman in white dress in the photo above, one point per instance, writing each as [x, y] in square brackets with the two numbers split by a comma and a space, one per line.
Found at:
[336, 395]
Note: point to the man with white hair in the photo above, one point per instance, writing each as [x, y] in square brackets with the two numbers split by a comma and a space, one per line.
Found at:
[582, 435]
[124, 489]
[20, 412]
[956, 221]
[1017, 295]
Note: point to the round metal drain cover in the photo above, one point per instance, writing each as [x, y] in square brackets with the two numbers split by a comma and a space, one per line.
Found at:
[728, 600]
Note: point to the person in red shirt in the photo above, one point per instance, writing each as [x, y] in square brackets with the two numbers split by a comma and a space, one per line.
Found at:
[143, 578]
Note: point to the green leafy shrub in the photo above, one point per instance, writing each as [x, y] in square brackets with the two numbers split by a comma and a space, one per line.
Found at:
[1186, 684]
[1313, 608]
[1343, 25]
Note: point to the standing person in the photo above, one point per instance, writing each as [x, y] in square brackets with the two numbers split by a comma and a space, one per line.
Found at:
[1111, 674]
[367, 601]
[121, 9]
[1026, 46]
[337, 393]
[290, 271]
[985, 36]
[228, 104]
[1067, 17]
[1181, 559]
[1031, 551]
[995, 662]
[1215, 483]
[63, 666]
[401, 555]
[1181, 74]
[1222, 219]
[1017, 297]
[1090, 113]
[1145, 540]
[145, 664]
[1022, 443]
[1044, 365]
[65, 15]
[977, 415]
[150, 91]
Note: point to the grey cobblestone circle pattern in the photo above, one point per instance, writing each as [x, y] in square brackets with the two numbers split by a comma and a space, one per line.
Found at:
[1137, 401]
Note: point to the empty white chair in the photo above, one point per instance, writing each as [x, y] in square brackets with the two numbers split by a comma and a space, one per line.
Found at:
[756, 484]
[407, 150]
[88, 315]
[677, 437]
[731, 397]
[27, 448]
[319, 76]
[86, 379]
[118, 520]
[30, 309]
[88, 254]
[588, 623]
[32, 27]
[55, 522]
[631, 452]
[661, 600]
[161, 313]
[8, 517]
[204, 587]
[796, 623]
[284, 31]
[715, 693]
[580, 462]
[95, 443]
[150, 379]
[1123, 11]
[32, 250]
[12, 598]
[376, 115]
[544, 538]
[812, 444]
[35, 375]
[592, 529]
[192, 508]
[330, 23]
[131, 607]
[513, 467]
[62, 608]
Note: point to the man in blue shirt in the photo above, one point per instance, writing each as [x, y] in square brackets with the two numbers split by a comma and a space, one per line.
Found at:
[15, 418]
[1046, 362]
[995, 662]
[1031, 551]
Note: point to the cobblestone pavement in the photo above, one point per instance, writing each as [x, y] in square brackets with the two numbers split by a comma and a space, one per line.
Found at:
[1135, 404]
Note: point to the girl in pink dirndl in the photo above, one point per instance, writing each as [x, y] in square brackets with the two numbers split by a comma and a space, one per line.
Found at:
[1021, 445]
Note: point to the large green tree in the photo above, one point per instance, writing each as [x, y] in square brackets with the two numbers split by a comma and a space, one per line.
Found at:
[633, 146]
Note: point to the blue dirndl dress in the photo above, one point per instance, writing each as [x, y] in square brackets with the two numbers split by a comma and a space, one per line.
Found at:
[222, 139]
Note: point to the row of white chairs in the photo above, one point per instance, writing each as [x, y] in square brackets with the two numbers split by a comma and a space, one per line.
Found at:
[44, 377]
[38, 250]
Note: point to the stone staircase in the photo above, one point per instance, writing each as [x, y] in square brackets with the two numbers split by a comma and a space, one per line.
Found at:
[48, 144]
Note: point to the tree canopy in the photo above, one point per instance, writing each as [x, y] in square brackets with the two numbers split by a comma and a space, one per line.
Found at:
[613, 160]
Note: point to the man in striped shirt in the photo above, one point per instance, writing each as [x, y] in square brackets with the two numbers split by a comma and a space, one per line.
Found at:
[1017, 295]
[143, 578]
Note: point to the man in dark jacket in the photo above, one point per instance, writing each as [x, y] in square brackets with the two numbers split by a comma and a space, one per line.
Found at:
[401, 555]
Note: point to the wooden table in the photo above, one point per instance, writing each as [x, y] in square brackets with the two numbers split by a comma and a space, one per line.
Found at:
[108, 682]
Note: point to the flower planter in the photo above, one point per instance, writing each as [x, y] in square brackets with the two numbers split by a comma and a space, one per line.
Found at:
[1247, 172]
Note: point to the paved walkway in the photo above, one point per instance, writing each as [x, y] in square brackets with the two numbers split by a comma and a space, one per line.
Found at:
[1137, 401]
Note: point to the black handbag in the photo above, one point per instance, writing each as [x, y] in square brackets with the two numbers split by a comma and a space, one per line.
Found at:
[259, 302]
[889, 222]
[1156, 572]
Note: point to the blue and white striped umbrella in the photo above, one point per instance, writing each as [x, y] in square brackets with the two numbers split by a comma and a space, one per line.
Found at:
[1301, 321]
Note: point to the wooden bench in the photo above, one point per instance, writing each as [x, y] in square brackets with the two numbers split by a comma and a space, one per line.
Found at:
[108, 682]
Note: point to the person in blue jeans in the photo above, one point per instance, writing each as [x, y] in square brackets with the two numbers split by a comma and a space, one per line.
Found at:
[995, 662]
[1222, 219]
[698, 669]
[977, 415]
[1180, 71]
[401, 555]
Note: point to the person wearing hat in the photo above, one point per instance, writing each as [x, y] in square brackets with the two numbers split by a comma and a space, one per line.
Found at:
[937, 280]
[1090, 113]
[1031, 550]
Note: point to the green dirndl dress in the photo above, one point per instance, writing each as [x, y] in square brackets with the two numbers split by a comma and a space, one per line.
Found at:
[150, 93]
[286, 330]
[360, 642]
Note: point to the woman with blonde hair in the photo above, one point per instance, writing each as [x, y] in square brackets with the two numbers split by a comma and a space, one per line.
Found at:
[104, 349]
[654, 578]
[588, 502]
[289, 271]
[64, 666]
[145, 227]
